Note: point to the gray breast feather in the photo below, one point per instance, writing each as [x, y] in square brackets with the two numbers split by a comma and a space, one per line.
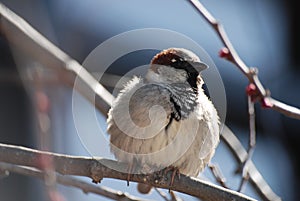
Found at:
[140, 110]
[148, 101]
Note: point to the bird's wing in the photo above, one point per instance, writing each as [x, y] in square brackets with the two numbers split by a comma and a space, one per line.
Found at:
[141, 110]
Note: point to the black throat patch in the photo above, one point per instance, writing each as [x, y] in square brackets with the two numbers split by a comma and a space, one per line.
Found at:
[183, 99]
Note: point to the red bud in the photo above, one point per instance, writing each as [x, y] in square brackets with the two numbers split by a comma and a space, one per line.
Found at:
[224, 53]
[251, 89]
[42, 100]
[266, 103]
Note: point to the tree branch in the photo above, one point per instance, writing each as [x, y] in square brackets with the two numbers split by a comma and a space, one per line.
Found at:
[70, 181]
[94, 168]
[251, 73]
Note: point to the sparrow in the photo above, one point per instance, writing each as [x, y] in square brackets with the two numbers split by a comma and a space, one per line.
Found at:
[165, 120]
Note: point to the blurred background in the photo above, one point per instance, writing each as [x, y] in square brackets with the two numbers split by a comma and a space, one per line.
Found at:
[264, 33]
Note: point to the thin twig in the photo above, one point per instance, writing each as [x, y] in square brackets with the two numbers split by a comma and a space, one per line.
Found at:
[95, 169]
[252, 127]
[175, 197]
[240, 154]
[233, 57]
[251, 145]
[162, 194]
[70, 181]
[218, 175]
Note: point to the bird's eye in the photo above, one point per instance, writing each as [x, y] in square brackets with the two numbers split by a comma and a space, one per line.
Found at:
[173, 60]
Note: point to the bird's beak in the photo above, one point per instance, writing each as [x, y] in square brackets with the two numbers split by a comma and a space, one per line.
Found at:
[199, 66]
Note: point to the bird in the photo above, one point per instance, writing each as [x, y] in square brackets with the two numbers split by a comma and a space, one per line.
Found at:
[165, 120]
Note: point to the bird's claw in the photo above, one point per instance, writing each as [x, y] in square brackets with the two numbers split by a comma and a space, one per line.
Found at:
[175, 172]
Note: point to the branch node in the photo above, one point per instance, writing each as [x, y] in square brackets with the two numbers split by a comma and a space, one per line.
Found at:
[268, 93]
[253, 71]
[266, 103]
[215, 23]
[251, 89]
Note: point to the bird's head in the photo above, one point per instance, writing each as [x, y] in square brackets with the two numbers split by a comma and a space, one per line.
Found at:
[176, 65]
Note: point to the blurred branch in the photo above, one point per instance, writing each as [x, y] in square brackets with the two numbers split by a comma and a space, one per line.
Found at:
[18, 32]
[69, 181]
[162, 194]
[50, 78]
[94, 168]
[231, 55]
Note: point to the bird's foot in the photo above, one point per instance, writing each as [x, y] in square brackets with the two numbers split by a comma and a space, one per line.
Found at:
[175, 172]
